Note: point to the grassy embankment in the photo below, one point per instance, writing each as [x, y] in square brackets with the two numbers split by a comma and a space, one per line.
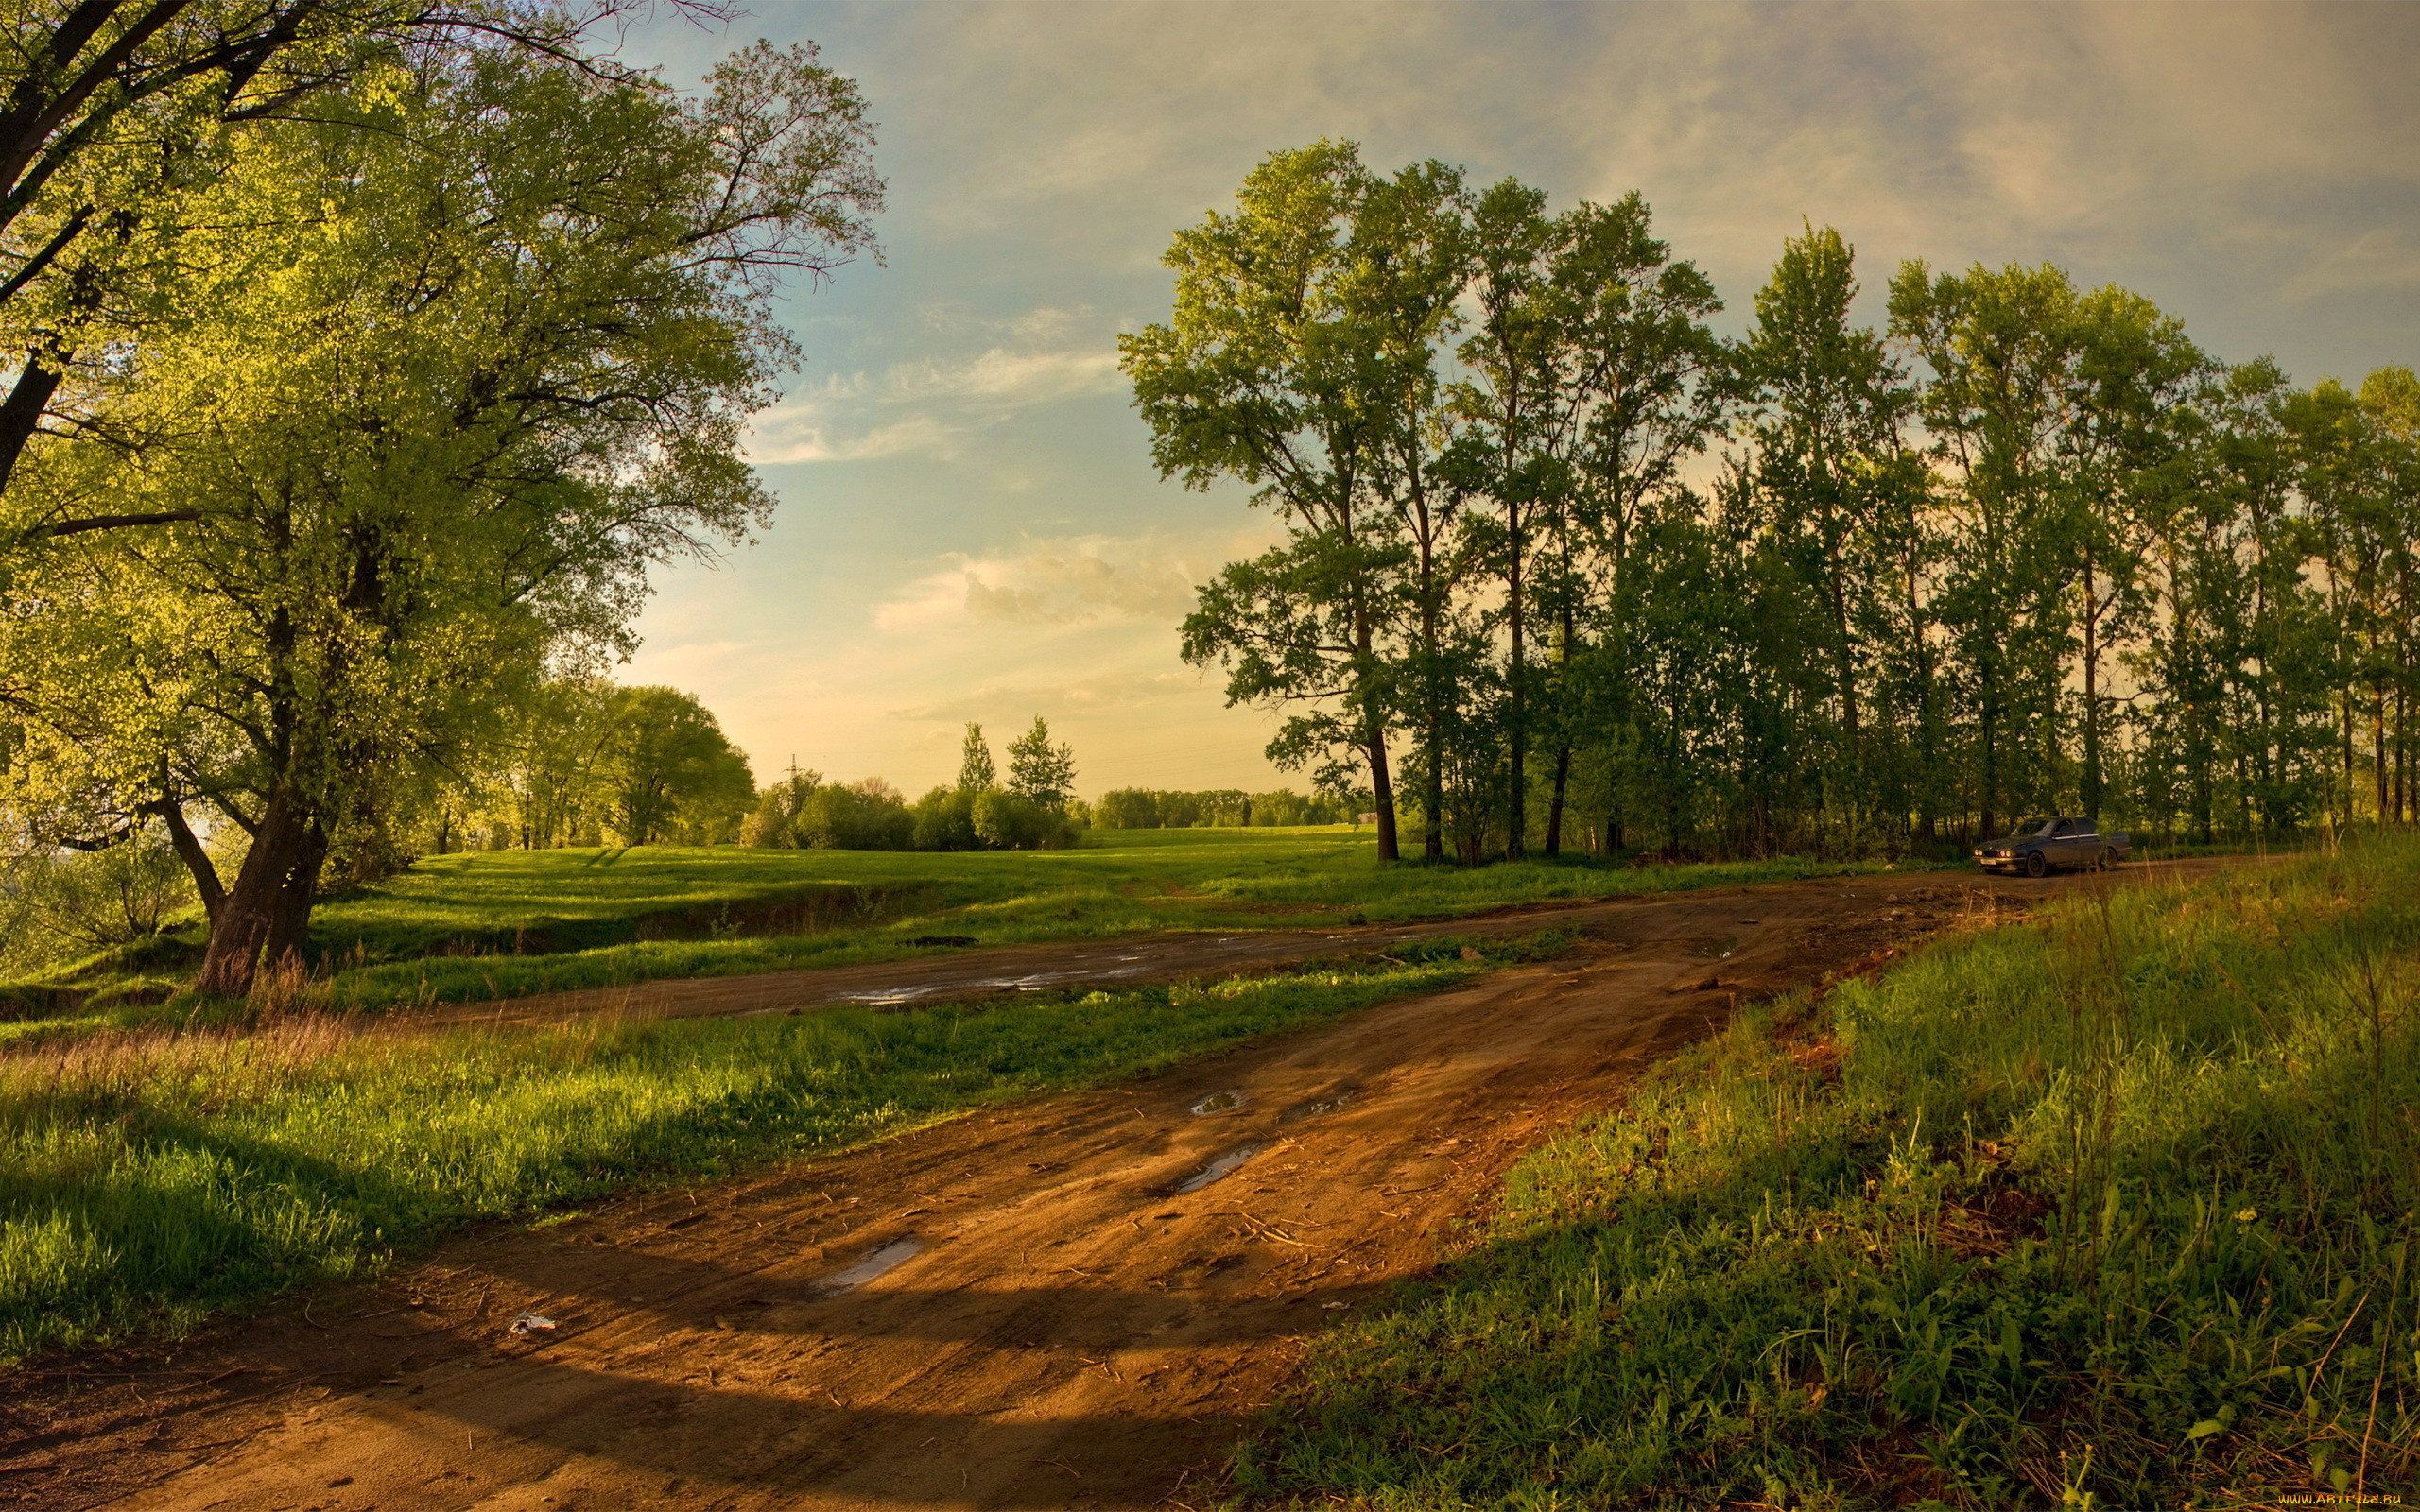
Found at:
[2114, 1208]
[149, 1179]
[495, 924]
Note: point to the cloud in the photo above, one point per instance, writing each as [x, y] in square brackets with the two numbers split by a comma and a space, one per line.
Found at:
[1079, 580]
[932, 405]
[1110, 692]
[2381, 259]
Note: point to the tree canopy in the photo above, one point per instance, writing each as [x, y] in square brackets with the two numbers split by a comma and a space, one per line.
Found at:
[458, 363]
[1559, 562]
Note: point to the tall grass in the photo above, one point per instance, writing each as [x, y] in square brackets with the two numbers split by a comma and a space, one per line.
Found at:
[2114, 1208]
[148, 1180]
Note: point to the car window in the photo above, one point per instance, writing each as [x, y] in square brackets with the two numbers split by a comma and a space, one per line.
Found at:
[2065, 827]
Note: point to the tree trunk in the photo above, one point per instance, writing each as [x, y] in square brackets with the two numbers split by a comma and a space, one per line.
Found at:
[1554, 808]
[196, 860]
[242, 928]
[21, 413]
[2092, 783]
[2378, 749]
[1382, 792]
[1516, 828]
[289, 925]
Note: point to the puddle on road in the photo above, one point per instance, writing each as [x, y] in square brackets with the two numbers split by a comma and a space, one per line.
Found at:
[1218, 1103]
[874, 1263]
[1325, 1105]
[1224, 1166]
[1716, 950]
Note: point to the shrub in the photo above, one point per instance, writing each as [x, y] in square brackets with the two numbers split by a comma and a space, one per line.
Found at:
[866, 815]
[945, 820]
[1007, 822]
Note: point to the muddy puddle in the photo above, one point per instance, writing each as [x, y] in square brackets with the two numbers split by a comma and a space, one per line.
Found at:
[1218, 1103]
[874, 1262]
[1313, 1110]
[892, 997]
[1219, 1169]
[1716, 949]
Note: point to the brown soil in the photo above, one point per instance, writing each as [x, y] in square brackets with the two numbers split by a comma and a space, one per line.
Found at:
[1074, 1331]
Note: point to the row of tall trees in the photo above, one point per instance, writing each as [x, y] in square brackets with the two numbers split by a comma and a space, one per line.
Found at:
[1561, 564]
[1152, 808]
[361, 360]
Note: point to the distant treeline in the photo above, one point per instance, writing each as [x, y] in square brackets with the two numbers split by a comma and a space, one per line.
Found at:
[1150, 808]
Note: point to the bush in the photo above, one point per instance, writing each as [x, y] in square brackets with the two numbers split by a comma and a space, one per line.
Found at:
[1007, 822]
[945, 820]
[865, 817]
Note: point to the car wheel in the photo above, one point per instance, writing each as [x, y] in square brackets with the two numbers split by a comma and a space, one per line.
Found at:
[2036, 863]
[2108, 859]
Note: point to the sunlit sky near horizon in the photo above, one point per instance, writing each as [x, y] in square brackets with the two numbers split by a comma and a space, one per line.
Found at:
[970, 524]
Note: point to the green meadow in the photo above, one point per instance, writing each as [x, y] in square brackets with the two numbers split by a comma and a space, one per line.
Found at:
[2111, 1209]
[506, 924]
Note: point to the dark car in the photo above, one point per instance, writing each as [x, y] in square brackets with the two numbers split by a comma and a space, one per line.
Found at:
[2036, 845]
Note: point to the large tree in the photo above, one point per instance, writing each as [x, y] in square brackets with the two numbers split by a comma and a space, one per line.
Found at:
[1263, 373]
[464, 377]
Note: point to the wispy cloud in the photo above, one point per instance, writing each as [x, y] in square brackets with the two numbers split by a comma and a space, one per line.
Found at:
[1079, 580]
[934, 404]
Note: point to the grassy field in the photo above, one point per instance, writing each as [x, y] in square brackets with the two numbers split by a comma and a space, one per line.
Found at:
[493, 924]
[148, 1180]
[2113, 1210]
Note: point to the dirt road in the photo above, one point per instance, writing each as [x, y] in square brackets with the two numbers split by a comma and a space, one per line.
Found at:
[1073, 1302]
[970, 973]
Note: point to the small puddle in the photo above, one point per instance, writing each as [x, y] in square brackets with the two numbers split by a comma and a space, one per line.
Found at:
[1219, 1169]
[1325, 1105]
[874, 1263]
[1218, 1103]
[1716, 950]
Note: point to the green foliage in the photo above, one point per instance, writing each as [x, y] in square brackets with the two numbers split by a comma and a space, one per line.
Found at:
[148, 1180]
[1143, 808]
[1013, 822]
[453, 358]
[59, 905]
[866, 815]
[1039, 772]
[974, 770]
[945, 820]
[2030, 548]
[669, 772]
[2114, 1204]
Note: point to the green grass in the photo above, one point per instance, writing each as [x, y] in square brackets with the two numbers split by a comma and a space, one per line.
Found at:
[492, 924]
[2112, 1210]
[1119, 882]
[148, 1180]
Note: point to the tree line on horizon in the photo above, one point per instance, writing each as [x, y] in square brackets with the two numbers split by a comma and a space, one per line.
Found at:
[1563, 567]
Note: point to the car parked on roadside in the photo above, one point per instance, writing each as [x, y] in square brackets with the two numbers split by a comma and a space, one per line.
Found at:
[2036, 846]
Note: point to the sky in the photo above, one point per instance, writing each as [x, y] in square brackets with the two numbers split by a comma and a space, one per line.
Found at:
[970, 526]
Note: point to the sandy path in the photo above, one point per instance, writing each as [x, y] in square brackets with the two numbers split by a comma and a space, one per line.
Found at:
[1064, 1326]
